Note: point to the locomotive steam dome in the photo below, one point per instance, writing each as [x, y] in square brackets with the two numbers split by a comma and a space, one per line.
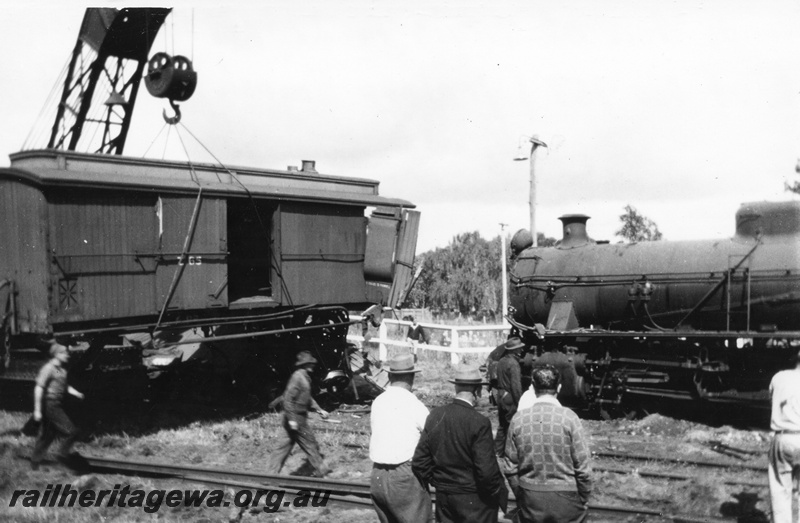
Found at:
[768, 219]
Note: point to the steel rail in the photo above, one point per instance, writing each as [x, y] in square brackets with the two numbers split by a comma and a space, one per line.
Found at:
[699, 463]
[675, 476]
[341, 491]
[171, 469]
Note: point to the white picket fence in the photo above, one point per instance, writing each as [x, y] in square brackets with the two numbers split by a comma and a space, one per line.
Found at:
[458, 338]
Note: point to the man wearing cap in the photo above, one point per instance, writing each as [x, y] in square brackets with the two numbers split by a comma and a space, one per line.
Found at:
[456, 455]
[396, 421]
[297, 401]
[784, 452]
[563, 360]
[508, 391]
[547, 457]
[48, 397]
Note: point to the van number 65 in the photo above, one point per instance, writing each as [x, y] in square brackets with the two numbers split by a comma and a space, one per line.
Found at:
[193, 260]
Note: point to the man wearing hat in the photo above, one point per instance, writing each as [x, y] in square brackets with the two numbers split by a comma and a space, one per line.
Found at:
[48, 397]
[396, 421]
[508, 391]
[456, 455]
[297, 401]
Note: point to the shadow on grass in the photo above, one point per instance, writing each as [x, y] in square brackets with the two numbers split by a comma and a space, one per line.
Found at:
[192, 396]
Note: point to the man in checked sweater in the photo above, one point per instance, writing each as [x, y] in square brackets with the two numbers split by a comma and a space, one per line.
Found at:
[547, 456]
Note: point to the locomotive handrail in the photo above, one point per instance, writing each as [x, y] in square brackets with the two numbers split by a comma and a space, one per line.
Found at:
[732, 335]
[722, 282]
[626, 279]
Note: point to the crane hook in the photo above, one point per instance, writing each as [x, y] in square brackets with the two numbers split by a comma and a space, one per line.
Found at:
[172, 120]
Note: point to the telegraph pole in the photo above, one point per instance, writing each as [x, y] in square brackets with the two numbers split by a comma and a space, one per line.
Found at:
[503, 268]
[535, 144]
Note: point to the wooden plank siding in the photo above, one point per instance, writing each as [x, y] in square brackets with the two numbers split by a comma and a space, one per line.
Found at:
[322, 253]
[99, 244]
[202, 283]
[23, 253]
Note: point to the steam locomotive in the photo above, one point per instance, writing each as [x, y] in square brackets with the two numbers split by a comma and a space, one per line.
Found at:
[145, 264]
[708, 320]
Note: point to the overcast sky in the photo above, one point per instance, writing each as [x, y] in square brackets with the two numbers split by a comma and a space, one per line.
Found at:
[684, 109]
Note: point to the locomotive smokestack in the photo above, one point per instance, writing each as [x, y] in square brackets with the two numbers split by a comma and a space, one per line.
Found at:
[574, 231]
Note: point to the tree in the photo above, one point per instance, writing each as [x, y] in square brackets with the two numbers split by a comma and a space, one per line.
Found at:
[636, 227]
[795, 187]
[465, 276]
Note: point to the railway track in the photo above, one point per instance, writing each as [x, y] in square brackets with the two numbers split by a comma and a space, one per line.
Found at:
[341, 491]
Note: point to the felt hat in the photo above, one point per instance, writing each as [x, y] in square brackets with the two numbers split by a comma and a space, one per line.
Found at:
[514, 344]
[468, 375]
[402, 365]
[304, 357]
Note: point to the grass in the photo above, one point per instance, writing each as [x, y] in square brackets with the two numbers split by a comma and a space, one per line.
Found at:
[238, 441]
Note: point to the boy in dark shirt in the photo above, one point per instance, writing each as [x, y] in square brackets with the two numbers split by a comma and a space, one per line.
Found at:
[48, 398]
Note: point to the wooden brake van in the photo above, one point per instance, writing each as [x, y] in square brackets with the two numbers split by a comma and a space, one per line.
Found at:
[106, 244]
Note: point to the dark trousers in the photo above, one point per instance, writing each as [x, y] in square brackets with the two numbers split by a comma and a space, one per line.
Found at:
[506, 408]
[398, 496]
[460, 508]
[303, 437]
[550, 507]
[55, 422]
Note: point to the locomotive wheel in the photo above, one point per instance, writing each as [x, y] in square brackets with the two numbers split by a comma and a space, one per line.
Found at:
[623, 410]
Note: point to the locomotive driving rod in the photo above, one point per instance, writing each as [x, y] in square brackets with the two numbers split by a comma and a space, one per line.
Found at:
[263, 333]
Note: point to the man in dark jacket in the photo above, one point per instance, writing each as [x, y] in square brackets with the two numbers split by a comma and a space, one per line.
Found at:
[456, 455]
[297, 401]
[508, 391]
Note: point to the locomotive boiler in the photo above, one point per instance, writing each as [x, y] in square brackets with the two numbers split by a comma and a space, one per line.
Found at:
[708, 319]
[144, 264]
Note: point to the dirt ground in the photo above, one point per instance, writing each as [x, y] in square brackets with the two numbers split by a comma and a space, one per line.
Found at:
[168, 433]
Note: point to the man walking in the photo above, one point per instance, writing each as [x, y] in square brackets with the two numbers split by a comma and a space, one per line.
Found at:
[784, 453]
[547, 457]
[48, 407]
[456, 455]
[397, 419]
[508, 391]
[297, 401]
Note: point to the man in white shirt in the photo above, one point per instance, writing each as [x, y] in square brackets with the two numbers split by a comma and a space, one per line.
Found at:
[784, 453]
[397, 420]
[527, 399]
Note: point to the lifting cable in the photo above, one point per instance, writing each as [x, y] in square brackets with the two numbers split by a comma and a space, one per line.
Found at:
[186, 242]
[182, 260]
[275, 264]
